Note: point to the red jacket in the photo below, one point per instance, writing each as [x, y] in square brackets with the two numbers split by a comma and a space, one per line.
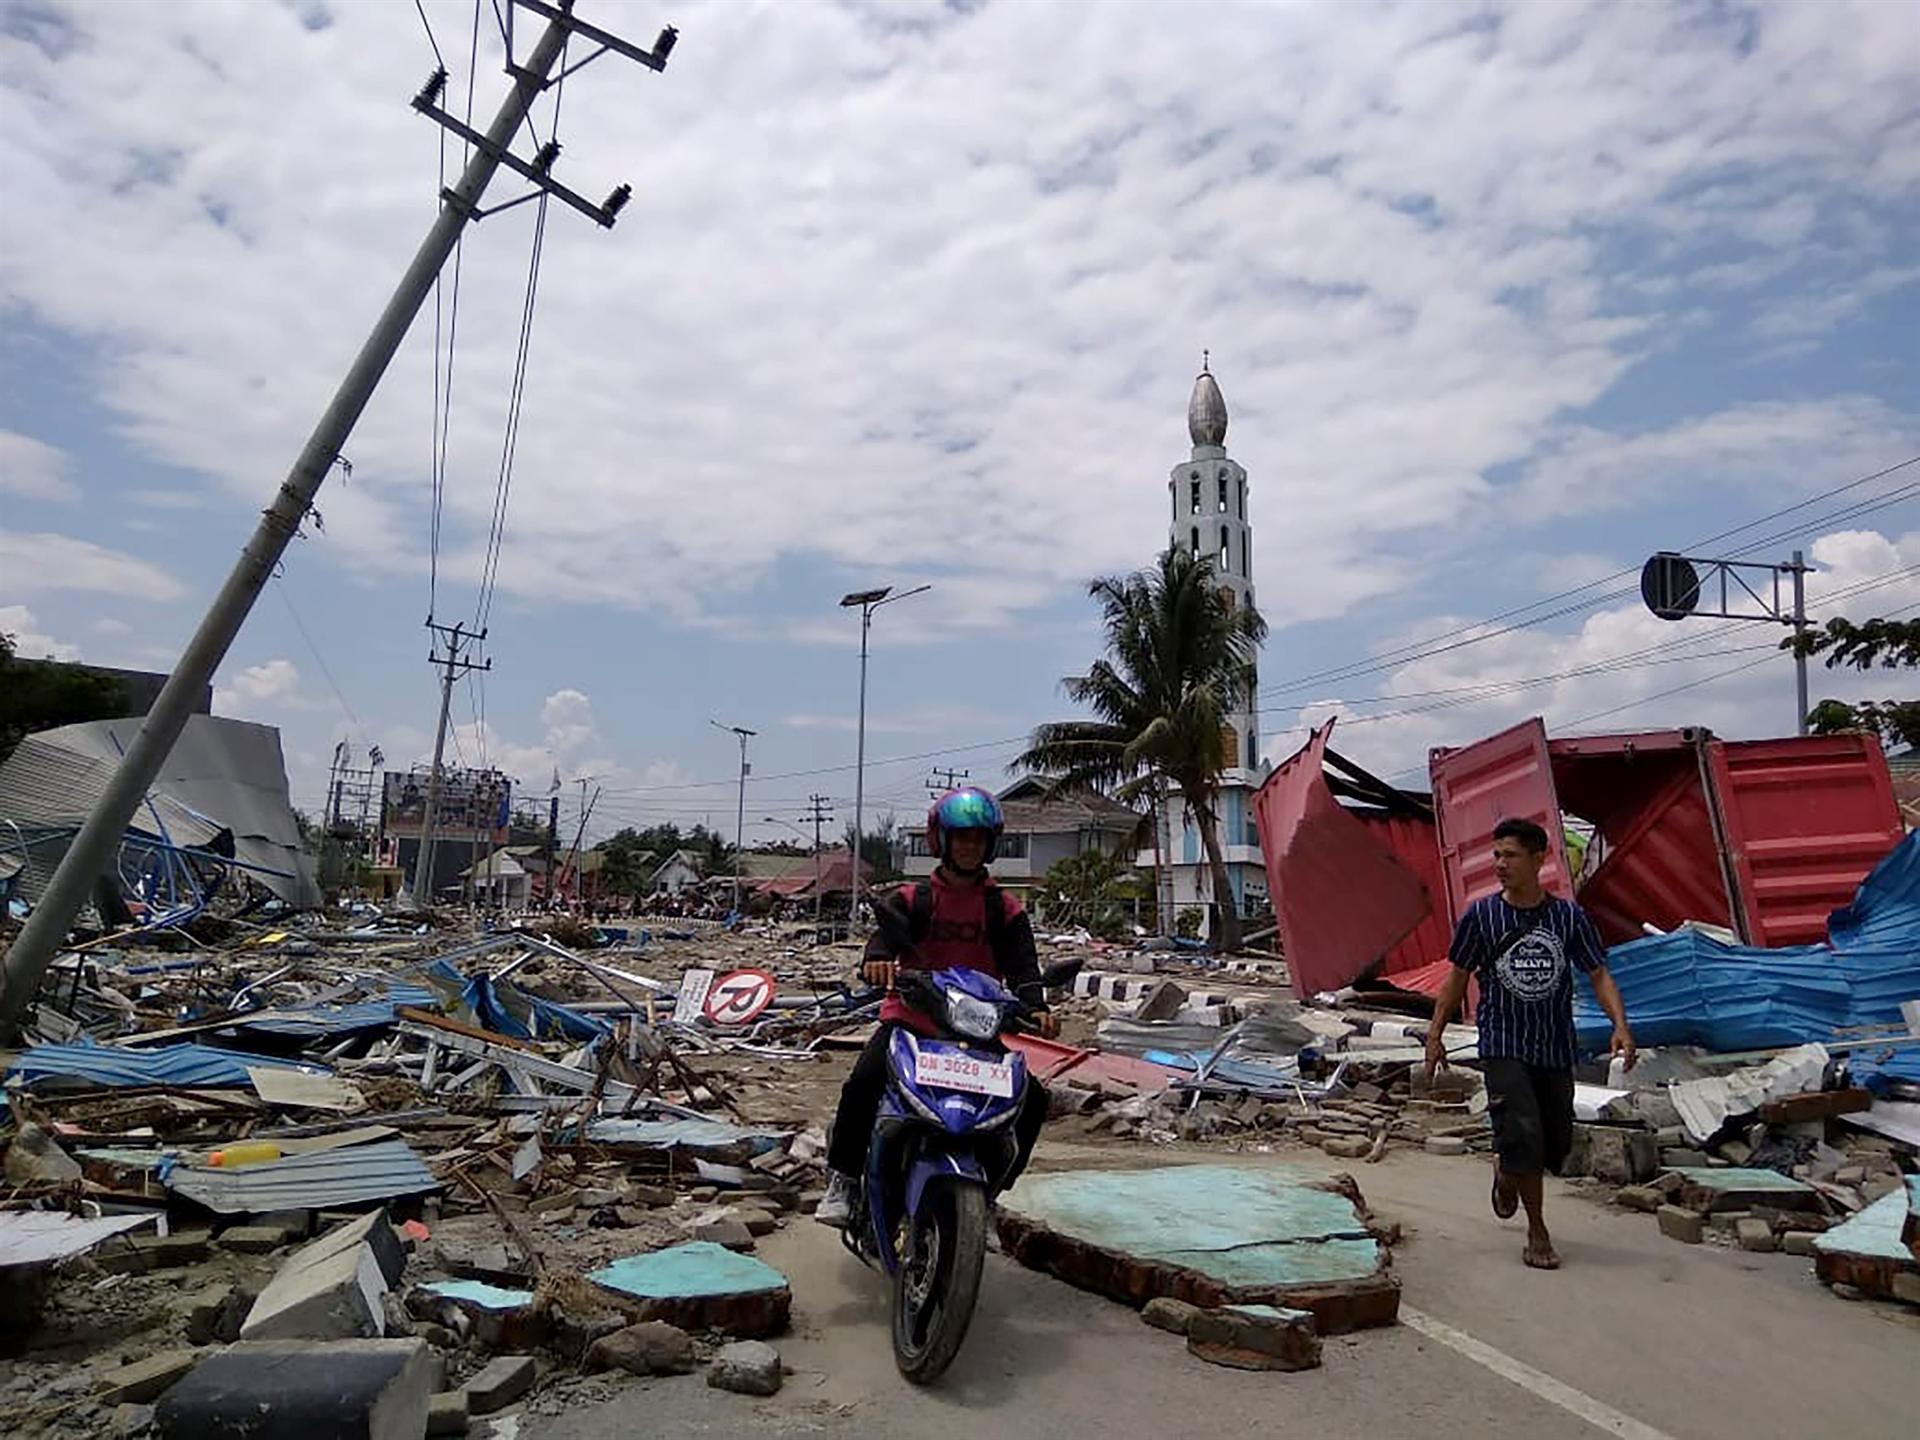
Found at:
[956, 933]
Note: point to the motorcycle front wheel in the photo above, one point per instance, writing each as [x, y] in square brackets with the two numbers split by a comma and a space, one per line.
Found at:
[938, 1281]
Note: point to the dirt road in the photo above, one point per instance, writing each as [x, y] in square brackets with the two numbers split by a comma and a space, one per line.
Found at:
[1638, 1337]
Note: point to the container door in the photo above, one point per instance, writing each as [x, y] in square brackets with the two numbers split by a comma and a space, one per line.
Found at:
[1805, 818]
[1504, 777]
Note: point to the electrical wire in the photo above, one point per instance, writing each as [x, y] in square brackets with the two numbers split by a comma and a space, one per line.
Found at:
[286, 598]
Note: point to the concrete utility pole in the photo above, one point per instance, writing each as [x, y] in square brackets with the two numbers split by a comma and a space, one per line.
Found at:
[820, 811]
[740, 811]
[943, 780]
[454, 638]
[868, 602]
[46, 928]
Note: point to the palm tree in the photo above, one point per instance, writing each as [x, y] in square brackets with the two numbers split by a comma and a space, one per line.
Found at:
[1180, 661]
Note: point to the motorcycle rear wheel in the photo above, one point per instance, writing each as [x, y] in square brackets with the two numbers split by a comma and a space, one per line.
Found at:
[938, 1282]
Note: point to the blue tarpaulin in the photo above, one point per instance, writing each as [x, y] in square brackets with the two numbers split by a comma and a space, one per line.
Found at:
[506, 1009]
[1689, 989]
[184, 1066]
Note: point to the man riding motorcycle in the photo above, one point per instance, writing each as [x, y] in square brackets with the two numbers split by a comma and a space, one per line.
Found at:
[958, 917]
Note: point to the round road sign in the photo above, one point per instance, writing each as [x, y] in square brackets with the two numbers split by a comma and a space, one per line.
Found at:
[737, 998]
[1670, 586]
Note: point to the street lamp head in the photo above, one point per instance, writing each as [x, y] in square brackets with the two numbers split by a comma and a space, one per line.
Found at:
[866, 597]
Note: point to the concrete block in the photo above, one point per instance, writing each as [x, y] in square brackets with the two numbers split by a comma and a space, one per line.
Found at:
[1255, 1337]
[1163, 1312]
[215, 1313]
[1682, 1158]
[335, 1298]
[297, 1390]
[255, 1239]
[1446, 1145]
[1797, 1242]
[1621, 1156]
[1677, 1223]
[747, 1367]
[1346, 1147]
[146, 1380]
[728, 1232]
[147, 1253]
[504, 1380]
[447, 1413]
[758, 1222]
[1756, 1235]
[35, 1158]
[373, 1231]
[1668, 1184]
[1647, 1199]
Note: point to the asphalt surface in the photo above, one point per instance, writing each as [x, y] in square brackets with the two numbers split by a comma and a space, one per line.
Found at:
[1637, 1336]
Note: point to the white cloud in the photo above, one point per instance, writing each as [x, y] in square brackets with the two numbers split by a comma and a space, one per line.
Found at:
[34, 470]
[924, 285]
[36, 563]
[29, 643]
[259, 689]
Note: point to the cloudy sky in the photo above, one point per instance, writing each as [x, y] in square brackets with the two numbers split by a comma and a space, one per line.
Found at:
[1502, 298]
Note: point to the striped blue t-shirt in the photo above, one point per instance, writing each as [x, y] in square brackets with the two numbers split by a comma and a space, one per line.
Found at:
[1525, 960]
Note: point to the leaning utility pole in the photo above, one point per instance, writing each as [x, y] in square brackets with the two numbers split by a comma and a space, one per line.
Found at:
[453, 637]
[46, 928]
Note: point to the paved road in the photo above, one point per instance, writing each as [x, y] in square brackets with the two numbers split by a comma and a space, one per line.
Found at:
[1638, 1337]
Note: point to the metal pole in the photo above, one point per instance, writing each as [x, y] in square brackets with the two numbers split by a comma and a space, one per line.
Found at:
[740, 823]
[423, 867]
[817, 817]
[46, 928]
[860, 764]
[1799, 630]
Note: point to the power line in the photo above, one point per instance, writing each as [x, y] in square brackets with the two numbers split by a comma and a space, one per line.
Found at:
[438, 58]
[286, 599]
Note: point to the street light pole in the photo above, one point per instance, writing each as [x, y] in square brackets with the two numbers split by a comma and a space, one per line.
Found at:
[740, 814]
[868, 601]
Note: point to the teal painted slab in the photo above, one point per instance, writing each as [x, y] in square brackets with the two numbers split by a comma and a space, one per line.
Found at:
[478, 1292]
[1242, 1228]
[694, 1271]
[1734, 1178]
[1876, 1231]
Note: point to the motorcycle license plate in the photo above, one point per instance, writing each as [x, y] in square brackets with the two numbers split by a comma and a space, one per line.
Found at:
[952, 1070]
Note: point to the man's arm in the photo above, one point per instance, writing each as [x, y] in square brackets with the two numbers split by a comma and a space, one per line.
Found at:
[1018, 959]
[892, 937]
[1444, 1009]
[1607, 992]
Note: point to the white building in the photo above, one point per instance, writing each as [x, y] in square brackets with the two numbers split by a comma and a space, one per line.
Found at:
[1207, 495]
[678, 871]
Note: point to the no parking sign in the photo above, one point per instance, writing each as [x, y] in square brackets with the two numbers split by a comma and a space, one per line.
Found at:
[737, 998]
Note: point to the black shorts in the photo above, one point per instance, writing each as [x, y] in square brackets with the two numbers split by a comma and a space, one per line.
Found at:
[1531, 1107]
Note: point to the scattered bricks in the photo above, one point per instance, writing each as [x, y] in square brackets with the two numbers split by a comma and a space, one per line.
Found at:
[147, 1253]
[652, 1347]
[1668, 1184]
[1755, 1235]
[704, 1194]
[1163, 1312]
[1815, 1105]
[758, 1222]
[1345, 1147]
[34, 1159]
[214, 1314]
[1255, 1337]
[1879, 1186]
[1368, 1093]
[1687, 1226]
[1446, 1145]
[1736, 1151]
[337, 1297]
[1621, 1156]
[1727, 1222]
[655, 1196]
[489, 1264]
[1647, 1199]
[810, 1200]
[550, 1204]
[1164, 1001]
[346, 1390]
[255, 1239]
[447, 1413]
[595, 1198]
[1679, 1158]
[146, 1380]
[1850, 1175]
[504, 1380]
[746, 1367]
[1797, 1242]
[1906, 1286]
[725, 1231]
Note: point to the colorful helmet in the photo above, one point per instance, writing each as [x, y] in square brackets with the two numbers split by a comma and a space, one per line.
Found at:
[968, 808]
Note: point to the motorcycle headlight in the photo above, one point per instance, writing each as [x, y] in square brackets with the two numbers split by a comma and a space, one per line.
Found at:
[976, 1019]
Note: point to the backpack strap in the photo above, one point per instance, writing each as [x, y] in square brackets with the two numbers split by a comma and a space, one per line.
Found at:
[996, 918]
[920, 911]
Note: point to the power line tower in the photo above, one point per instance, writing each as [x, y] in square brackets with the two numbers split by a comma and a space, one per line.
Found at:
[952, 778]
[448, 642]
[820, 811]
[46, 929]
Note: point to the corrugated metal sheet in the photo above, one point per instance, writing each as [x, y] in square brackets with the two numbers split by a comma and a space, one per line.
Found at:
[353, 1175]
[1806, 818]
[39, 1237]
[676, 1134]
[1663, 868]
[1415, 842]
[1318, 857]
[1506, 776]
[183, 1066]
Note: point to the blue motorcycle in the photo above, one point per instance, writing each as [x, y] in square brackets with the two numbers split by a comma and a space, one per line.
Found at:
[943, 1147]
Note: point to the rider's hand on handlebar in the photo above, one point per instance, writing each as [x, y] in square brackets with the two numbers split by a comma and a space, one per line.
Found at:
[879, 972]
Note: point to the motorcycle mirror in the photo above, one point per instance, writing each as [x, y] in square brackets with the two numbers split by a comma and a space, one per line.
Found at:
[1062, 972]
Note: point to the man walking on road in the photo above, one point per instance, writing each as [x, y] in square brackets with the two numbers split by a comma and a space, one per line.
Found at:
[1523, 946]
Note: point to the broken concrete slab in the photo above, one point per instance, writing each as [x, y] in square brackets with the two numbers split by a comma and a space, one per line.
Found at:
[337, 1297]
[1797, 1242]
[1737, 1188]
[35, 1159]
[1616, 1155]
[1677, 1222]
[1255, 1337]
[372, 1231]
[447, 1413]
[494, 1317]
[256, 1239]
[700, 1286]
[1211, 1235]
[652, 1347]
[1870, 1251]
[725, 1231]
[1163, 1312]
[146, 1380]
[297, 1390]
[1644, 1198]
[747, 1367]
[493, 1264]
[503, 1380]
[216, 1312]
[1756, 1235]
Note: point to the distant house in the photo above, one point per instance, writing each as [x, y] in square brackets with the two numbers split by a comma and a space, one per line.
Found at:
[1040, 832]
[675, 873]
[500, 881]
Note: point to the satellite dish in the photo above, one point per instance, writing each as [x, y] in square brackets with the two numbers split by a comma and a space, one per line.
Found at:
[1670, 585]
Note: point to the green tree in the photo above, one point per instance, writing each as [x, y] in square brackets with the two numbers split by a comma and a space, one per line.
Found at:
[624, 870]
[876, 847]
[1888, 644]
[37, 696]
[1095, 889]
[1180, 660]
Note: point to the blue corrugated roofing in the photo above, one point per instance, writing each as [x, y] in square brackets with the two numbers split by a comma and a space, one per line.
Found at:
[1687, 989]
[349, 1175]
[185, 1066]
